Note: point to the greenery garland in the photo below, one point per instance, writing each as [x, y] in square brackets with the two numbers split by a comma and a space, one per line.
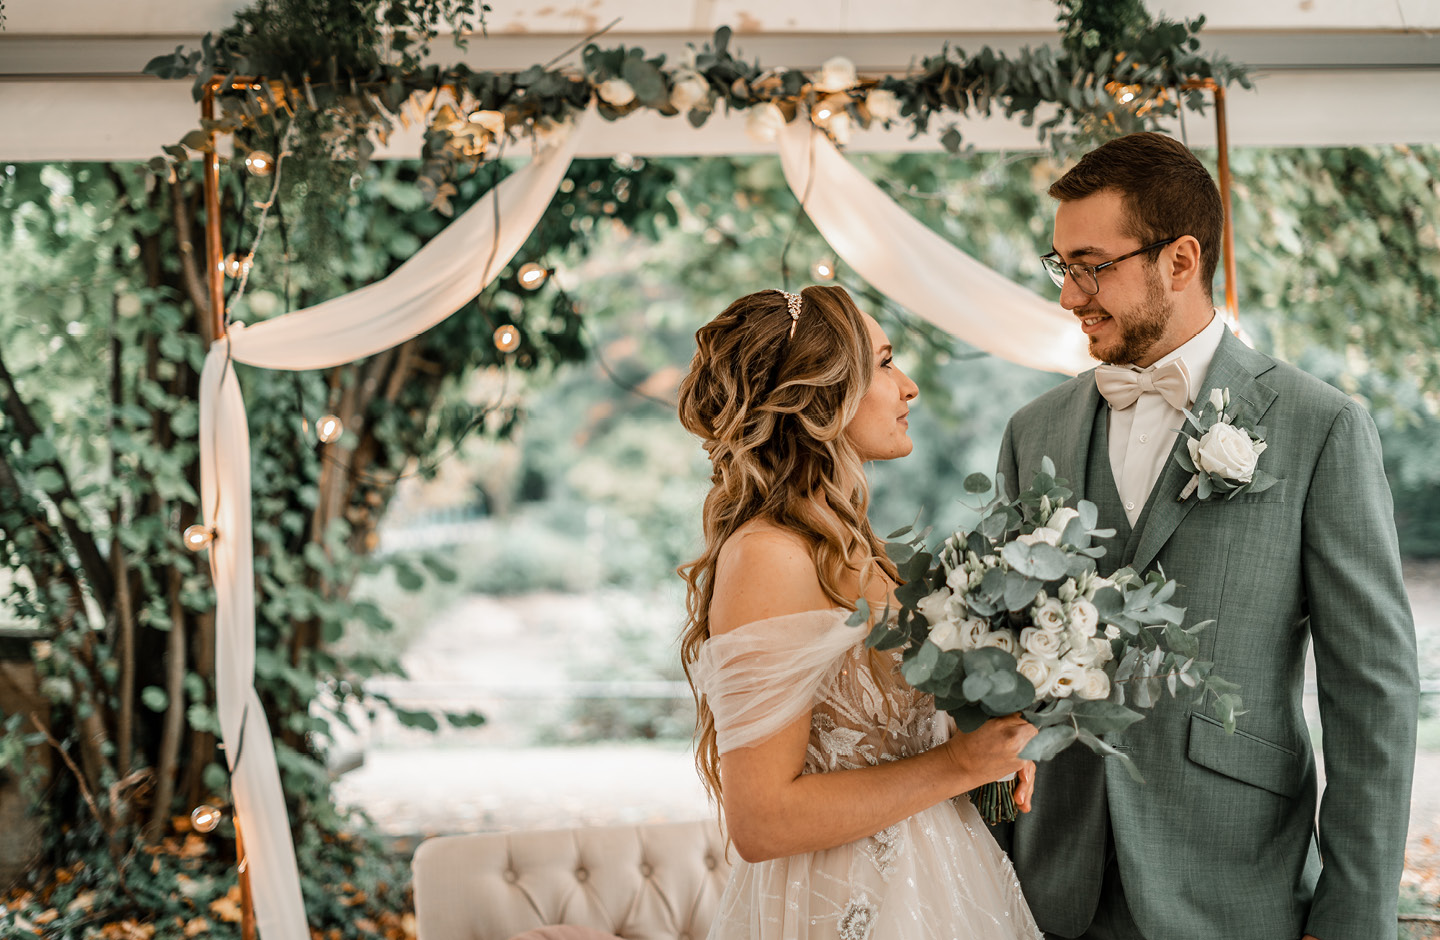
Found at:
[348, 73]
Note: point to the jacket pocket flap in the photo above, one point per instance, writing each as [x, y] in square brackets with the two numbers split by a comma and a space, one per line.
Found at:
[1243, 756]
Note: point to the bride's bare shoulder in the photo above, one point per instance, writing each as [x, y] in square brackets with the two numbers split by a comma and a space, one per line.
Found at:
[763, 571]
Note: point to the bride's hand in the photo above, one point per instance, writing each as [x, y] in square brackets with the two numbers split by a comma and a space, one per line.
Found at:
[991, 751]
[1025, 787]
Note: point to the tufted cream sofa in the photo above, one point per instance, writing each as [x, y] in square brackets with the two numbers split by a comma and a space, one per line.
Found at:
[647, 882]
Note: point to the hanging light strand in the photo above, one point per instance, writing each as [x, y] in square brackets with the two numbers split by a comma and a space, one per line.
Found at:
[278, 164]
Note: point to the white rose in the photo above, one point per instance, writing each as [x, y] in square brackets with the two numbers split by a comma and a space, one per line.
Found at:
[934, 607]
[1217, 398]
[1112, 632]
[1068, 592]
[1226, 451]
[616, 92]
[1064, 680]
[836, 74]
[883, 105]
[1042, 643]
[990, 561]
[1095, 685]
[1084, 616]
[946, 635]
[1060, 518]
[958, 580]
[1043, 534]
[1036, 669]
[972, 633]
[1104, 652]
[689, 91]
[1050, 615]
[839, 127]
[1086, 651]
[763, 122]
[1002, 640]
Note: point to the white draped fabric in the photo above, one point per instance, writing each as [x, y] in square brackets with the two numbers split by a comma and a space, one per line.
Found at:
[429, 287]
[908, 262]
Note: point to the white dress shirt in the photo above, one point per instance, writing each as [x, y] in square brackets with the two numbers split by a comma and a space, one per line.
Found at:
[1142, 436]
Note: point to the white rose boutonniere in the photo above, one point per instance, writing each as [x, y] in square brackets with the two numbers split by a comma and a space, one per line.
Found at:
[1223, 454]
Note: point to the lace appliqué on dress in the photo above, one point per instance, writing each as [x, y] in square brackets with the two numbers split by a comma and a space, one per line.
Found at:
[886, 850]
[858, 919]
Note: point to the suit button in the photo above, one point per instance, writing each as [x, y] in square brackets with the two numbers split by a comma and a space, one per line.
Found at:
[1129, 506]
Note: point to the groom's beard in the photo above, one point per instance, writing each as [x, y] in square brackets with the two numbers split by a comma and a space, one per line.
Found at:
[1140, 328]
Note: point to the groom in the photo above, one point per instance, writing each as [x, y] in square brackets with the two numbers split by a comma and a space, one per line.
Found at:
[1220, 842]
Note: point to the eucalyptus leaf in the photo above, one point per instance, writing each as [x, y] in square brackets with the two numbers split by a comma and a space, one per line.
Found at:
[1048, 742]
[977, 483]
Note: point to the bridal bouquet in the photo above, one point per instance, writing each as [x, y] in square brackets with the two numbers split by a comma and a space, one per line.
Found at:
[1011, 616]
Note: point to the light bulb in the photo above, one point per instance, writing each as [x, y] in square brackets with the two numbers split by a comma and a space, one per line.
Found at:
[822, 114]
[1128, 97]
[507, 338]
[329, 428]
[260, 163]
[823, 270]
[198, 537]
[236, 264]
[532, 275]
[205, 818]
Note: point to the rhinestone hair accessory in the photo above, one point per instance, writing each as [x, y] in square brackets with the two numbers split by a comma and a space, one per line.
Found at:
[792, 301]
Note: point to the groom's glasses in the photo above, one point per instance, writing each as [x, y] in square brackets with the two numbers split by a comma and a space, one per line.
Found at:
[1086, 274]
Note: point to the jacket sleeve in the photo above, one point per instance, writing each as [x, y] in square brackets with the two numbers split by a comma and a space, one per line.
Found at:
[1366, 669]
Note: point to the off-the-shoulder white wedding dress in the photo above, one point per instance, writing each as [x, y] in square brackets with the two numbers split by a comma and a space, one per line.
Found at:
[937, 875]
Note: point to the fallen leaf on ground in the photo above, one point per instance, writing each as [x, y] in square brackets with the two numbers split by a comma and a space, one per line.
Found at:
[228, 907]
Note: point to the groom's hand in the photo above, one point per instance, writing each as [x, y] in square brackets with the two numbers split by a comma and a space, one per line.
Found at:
[1025, 789]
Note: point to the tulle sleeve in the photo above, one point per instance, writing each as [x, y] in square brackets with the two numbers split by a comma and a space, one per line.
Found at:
[760, 677]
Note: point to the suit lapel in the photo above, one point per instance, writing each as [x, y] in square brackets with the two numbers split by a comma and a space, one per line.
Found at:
[1235, 367]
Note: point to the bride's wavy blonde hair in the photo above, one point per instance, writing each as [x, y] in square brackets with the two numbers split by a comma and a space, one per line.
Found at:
[772, 409]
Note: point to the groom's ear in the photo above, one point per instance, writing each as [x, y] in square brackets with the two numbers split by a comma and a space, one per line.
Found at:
[1182, 263]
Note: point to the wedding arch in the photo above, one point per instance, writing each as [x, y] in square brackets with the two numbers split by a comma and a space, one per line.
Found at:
[1090, 90]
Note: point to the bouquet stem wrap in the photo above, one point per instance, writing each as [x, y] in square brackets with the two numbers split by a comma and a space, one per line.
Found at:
[996, 801]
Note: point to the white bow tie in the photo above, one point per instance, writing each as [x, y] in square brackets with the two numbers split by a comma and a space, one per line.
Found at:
[1123, 386]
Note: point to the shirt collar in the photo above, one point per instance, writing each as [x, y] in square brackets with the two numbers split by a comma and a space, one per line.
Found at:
[1198, 352]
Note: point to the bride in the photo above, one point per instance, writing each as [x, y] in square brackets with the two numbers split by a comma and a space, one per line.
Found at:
[834, 791]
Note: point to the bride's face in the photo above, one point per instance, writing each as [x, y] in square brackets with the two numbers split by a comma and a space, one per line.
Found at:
[881, 428]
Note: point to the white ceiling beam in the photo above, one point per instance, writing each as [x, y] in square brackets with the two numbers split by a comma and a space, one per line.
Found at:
[132, 120]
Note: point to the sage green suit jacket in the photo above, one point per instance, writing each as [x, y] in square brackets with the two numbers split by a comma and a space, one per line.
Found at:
[1220, 841]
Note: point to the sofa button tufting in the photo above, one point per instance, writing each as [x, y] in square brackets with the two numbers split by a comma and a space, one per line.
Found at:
[710, 862]
[646, 870]
[581, 874]
[510, 876]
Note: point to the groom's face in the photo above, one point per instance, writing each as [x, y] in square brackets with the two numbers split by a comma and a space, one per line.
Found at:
[1128, 319]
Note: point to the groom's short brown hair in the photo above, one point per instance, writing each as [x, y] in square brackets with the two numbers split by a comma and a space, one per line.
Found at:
[1165, 190]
